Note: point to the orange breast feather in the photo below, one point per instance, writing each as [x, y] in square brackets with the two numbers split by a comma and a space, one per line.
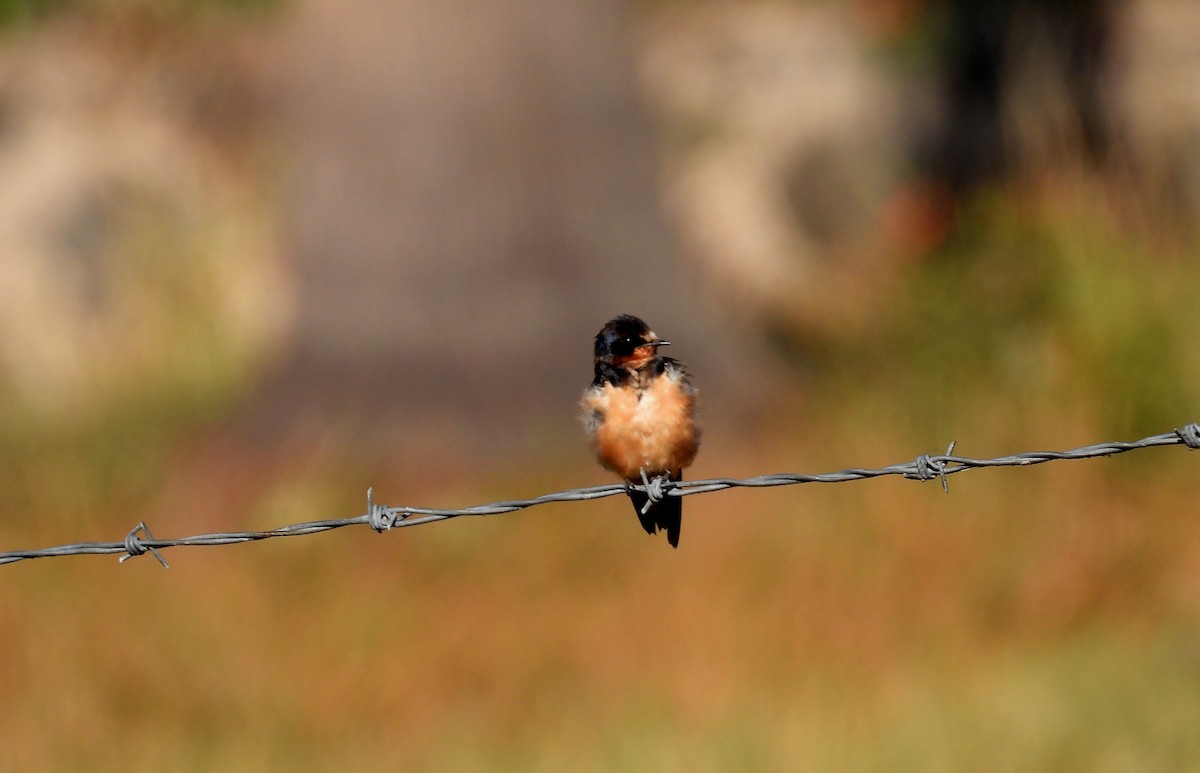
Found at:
[652, 429]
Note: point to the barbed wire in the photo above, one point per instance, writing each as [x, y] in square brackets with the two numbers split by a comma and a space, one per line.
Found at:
[383, 518]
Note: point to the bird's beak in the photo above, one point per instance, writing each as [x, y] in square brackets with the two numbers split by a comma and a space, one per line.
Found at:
[659, 343]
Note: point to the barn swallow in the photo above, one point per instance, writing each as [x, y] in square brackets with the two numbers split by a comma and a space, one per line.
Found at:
[640, 416]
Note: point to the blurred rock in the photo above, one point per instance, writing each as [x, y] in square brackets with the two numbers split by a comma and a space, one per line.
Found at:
[137, 257]
[782, 150]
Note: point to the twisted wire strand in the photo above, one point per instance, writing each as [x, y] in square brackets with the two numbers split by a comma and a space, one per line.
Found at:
[383, 517]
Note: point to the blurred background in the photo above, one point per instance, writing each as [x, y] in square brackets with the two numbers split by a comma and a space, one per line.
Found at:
[257, 255]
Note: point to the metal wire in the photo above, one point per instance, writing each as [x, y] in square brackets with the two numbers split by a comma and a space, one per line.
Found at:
[383, 517]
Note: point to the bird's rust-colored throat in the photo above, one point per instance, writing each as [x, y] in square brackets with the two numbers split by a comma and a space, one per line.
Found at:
[638, 359]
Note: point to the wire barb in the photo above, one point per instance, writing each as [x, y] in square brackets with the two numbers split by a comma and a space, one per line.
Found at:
[926, 467]
[379, 517]
[134, 547]
[382, 518]
[653, 487]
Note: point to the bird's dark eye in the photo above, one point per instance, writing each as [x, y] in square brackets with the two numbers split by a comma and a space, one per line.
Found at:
[624, 346]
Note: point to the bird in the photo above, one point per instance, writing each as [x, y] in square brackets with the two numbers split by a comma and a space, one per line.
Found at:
[640, 417]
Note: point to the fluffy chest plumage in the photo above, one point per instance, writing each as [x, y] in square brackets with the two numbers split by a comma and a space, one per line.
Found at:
[649, 425]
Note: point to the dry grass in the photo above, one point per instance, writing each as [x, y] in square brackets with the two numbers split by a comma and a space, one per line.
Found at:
[1034, 619]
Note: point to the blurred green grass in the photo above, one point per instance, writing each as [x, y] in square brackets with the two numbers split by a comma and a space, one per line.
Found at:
[102, 443]
[18, 13]
[1056, 309]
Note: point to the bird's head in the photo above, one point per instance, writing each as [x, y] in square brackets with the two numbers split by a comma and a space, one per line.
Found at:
[627, 342]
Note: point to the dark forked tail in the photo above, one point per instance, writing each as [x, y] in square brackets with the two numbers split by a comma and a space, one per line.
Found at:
[666, 515]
